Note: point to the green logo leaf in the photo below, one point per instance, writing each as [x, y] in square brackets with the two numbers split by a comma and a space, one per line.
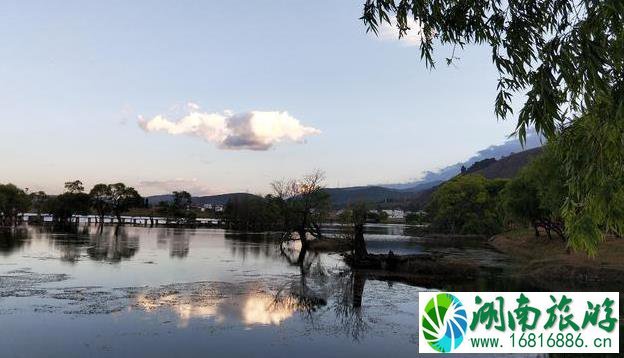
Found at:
[444, 322]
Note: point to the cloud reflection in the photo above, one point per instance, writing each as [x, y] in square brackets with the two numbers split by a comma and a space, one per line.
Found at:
[223, 303]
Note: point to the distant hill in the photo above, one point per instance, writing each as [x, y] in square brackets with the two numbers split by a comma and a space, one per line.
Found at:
[155, 199]
[415, 197]
[416, 185]
[342, 197]
[220, 199]
[504, 168]
[422, 186]
[499, 151]
[372, 194]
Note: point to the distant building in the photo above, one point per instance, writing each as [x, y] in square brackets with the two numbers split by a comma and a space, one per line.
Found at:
[395, 214]
[215, 207]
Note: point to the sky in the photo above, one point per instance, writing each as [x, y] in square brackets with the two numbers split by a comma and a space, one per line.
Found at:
[224, 96]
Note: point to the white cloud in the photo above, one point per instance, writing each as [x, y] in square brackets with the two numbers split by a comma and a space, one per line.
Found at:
[254, 130]
[390, 32]
[193, 186]
[192, 106]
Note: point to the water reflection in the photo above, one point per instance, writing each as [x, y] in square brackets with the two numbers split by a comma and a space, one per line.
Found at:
[117, 244]
[71, 251]
[373, 229]
[12, 239]
[349, 307]
[221, 303]
[113, 246]
[176, 240]
[203, 287]
[243, 244]
[309, 297]
[318, 288]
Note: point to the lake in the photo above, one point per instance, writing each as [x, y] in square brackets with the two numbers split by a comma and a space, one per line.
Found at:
[161, 292]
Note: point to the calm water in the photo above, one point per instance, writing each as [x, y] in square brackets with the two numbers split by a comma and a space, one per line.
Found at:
[202, 292]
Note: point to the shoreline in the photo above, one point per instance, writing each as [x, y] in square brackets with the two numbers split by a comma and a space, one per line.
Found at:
[552, 265]
[536, 263]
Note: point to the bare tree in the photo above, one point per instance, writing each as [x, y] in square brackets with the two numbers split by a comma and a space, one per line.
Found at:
[354, 219]
[303, 205]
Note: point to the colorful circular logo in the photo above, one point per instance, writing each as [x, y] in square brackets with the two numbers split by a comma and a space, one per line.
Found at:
[444, 322]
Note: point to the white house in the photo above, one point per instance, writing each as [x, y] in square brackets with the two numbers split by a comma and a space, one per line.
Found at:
[216, 207]
[395, 214]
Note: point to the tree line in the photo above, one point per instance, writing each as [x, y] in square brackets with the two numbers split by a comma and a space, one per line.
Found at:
[468, 204]
[535, 197]
[102, 199]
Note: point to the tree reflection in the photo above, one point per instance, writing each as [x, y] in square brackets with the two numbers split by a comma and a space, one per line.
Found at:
[306, 296]
[71, 247]
[70, 243]
[348, 306]
[12, 239]
[314, 289]
[177, 240]
[315, 296]
[313, 293]
[179, 246]
[243, 244]
[113, 246]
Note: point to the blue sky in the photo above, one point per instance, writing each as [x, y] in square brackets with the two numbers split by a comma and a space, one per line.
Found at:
[76, 76]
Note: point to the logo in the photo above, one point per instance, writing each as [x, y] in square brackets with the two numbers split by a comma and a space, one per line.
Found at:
[444, 322]
[518, 322]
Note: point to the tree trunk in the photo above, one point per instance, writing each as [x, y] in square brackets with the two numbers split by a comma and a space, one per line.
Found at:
[304, 245]
[359, 243]
[536, 228]
[303, 238]
[13, 218]
[359, 280]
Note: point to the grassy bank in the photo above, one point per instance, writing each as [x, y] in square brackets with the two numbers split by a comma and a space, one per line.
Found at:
[534, 263]
[549, 264]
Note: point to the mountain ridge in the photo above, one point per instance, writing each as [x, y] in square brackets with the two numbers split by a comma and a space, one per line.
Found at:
[496, 151]
[417, 196]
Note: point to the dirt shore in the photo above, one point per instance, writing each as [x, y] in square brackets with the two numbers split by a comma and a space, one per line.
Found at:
[535, 263]
[551, 265]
